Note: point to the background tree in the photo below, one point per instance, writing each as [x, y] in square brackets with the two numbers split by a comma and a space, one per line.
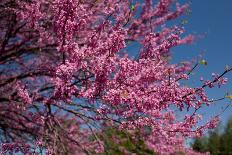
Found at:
[121, 142]
[200, 145]
[217, 142]
[64, 72]
[214, 142]
[226, 137]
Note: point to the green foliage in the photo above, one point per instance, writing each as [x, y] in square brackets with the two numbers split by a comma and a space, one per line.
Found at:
[200, 145]
[226, 138]
[216, 143]
[118, 142]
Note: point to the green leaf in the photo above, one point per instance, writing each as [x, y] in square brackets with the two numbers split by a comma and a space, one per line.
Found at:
[229, 97]
[183, 22]
[203, 62]
[132, 7]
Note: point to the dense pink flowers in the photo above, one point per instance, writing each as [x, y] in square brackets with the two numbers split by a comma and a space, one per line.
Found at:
[90, 79]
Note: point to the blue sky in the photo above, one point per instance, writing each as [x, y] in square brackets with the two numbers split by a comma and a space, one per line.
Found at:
[213, 20]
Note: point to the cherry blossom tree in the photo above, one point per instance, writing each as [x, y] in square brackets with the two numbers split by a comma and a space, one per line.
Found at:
[65, 72]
